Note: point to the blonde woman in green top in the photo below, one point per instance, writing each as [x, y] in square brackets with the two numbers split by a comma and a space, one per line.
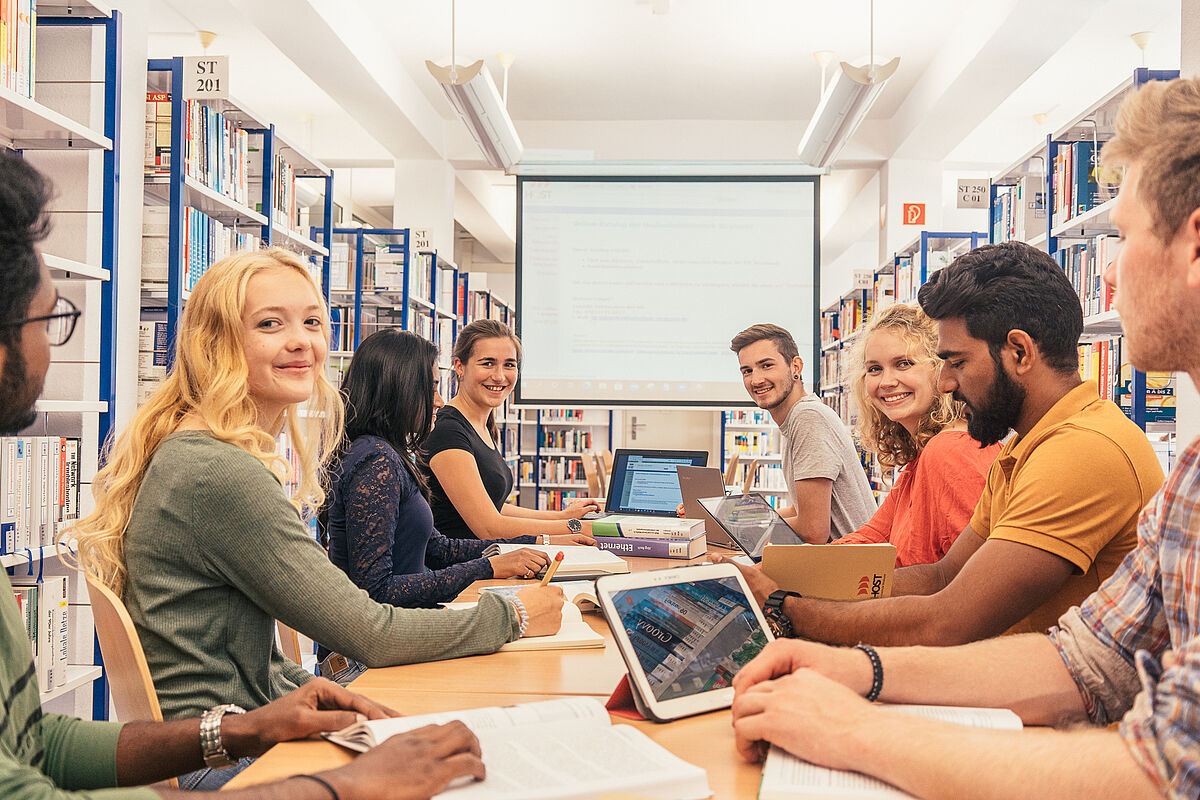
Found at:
[193, 529]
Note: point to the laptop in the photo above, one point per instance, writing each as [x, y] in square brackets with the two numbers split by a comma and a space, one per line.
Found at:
[697, 482]
[644, 482]
[751, 522]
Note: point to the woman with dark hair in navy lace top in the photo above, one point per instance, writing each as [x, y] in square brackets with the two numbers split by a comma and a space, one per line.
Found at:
[380, 527]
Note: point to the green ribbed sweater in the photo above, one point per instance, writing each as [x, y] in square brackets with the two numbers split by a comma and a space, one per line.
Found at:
[216, 554]
[47, 756]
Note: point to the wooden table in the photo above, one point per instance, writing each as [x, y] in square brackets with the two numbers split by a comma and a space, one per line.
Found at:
[508, 678]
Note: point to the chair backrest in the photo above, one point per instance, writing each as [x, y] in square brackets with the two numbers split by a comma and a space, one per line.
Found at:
[606, 459]
[731, 470]
[603, 462]
[592, 472]
[751, 474]
[289, 642]
[124, 660]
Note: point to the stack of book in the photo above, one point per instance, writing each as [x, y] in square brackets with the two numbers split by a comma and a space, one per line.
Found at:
[652, 537]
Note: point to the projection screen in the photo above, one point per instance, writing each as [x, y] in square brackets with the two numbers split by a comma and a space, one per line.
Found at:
[630, 288]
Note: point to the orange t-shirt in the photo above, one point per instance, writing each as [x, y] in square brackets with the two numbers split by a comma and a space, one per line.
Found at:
[932, 500]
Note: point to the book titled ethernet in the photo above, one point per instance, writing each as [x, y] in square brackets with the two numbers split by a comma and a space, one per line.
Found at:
[565, 748]
[629, 546]
[647, 527]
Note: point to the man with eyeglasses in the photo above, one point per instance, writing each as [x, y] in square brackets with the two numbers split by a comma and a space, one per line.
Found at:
[50, 755]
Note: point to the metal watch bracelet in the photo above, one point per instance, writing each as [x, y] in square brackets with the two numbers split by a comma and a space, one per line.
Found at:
[211, 745]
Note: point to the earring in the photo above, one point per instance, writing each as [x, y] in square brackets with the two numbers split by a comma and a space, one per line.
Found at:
[795, 377]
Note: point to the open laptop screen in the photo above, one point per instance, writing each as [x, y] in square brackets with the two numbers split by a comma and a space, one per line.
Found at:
[751, 522]
[645, 481]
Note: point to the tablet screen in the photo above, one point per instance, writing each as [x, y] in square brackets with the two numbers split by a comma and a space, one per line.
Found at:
[690, 637]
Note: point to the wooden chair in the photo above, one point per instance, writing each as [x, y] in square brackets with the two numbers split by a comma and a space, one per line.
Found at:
[289, 642]
[125, 665]
[751, 474]
[731, 469]
[604, 468]
[591, 469]
[606, 460]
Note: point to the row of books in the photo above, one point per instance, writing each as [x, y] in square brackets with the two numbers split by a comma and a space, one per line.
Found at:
[1019, 213]
[829, 369]
[43, 604]
[561, 470]
[1084, 264]
[284, 209]
[753, 443]
[575, 441]
[653, 537]
[1075, 185]
[206, 241]
[557, 499]
[423, 323]
[421, 276]
[831, 330]
[855, 312]
[1106, 362]
[18, 56]
[39, 490]
[216, 152]
[563, 414]
[767, 477]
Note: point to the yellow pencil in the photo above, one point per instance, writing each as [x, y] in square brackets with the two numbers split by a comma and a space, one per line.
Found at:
[553, 568]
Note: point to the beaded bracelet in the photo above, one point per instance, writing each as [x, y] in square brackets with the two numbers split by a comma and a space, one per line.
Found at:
[521, 612]
[876, 671]
[323, 782]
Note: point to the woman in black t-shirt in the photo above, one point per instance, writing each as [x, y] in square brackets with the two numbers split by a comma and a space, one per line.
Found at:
[468, 478]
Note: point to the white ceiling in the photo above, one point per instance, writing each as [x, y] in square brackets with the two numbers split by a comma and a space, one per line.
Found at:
[613, 77]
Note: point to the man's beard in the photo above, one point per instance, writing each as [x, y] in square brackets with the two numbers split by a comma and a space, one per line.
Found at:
[17, 397]
[991, 422]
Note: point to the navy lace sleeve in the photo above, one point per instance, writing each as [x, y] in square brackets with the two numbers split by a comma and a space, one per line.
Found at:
[443, 551]
[388, 528]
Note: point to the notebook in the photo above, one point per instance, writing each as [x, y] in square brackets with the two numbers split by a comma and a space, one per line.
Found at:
[575, 634]
[644, 482]
[578, 560]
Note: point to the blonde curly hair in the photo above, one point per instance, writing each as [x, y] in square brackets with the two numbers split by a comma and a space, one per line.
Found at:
[889, 440]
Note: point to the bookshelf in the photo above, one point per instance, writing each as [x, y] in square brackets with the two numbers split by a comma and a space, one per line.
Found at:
[550, 444]
[218, 178]
[1052, 199]
[754, 436]
[62, 114]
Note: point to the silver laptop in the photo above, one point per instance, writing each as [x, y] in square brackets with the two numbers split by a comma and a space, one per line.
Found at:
[751, 522]
[697, 482]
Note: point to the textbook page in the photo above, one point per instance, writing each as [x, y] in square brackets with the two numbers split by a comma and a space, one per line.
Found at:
[576, 711]
[543, 763]
[786, 777]
[581, 593]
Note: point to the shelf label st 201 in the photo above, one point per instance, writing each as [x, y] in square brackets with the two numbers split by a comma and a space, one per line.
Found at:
[206, 78]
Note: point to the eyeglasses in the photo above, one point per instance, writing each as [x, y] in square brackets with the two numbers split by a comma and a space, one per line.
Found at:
[60, 322]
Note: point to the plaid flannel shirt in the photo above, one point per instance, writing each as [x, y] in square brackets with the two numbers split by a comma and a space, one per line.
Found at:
[1148, 614]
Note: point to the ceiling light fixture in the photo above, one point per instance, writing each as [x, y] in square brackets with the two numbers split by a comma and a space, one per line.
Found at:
[844, 104]
[473, 94]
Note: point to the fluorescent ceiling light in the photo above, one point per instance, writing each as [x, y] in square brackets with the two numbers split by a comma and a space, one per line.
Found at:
[473, 94]
[844, 104]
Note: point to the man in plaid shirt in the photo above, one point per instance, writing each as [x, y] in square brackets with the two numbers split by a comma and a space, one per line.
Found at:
[1129, 655]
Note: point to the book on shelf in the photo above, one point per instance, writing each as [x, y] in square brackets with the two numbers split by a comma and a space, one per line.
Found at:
[1019, 213]
[573, 634]
[39, 490]
[158, 133]
[577, 559]
[565, 748]
[1084, 264]
[631, 547]
[284, 210]
[786, 777]
[45, 601]
[207, 241]
[643, 527]
[1076, 188]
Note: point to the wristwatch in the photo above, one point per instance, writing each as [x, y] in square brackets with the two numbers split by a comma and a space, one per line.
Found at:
[574, 526]
[777, 620]
[215, 754]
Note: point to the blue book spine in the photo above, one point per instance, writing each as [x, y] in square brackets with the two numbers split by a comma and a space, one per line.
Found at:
[1085, 189]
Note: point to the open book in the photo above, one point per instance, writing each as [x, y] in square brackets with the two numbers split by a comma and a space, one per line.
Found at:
[564, 748]
[581, 593]
[786, 777]
[574, 634]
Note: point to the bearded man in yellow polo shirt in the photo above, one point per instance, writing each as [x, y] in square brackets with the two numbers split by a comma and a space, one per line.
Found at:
[1061, 504]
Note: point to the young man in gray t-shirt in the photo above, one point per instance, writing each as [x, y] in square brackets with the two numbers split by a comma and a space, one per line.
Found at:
[825, 480]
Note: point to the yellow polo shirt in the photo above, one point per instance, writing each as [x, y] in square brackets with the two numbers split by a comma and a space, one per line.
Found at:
[1073, 486]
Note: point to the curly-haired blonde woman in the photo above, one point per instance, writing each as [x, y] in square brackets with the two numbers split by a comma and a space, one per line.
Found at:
[193, 529]
[918, 430]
